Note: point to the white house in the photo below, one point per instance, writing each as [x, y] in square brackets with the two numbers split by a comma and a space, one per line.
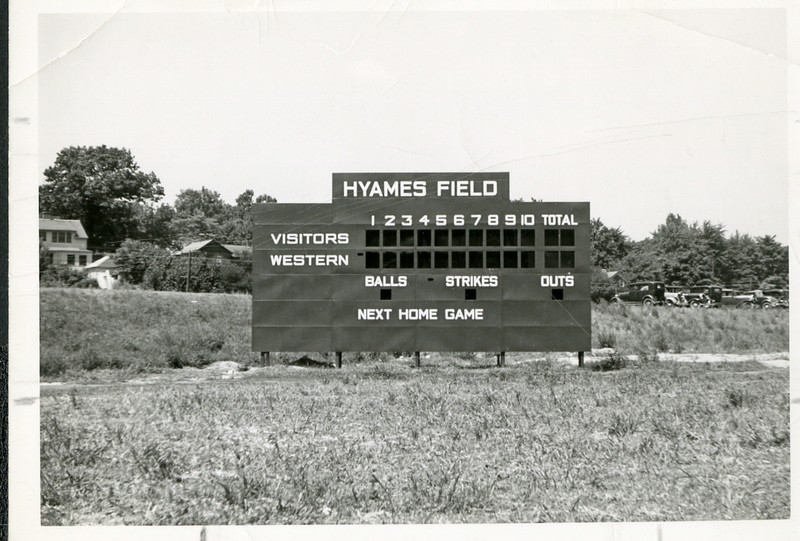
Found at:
[65, 241]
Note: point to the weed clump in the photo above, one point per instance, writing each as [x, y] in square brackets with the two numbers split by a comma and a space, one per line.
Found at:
[614, 361]
[607, 339]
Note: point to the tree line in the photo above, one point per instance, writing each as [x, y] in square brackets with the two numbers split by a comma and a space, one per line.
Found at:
[120, 207]
[683, 253]
[105, 189]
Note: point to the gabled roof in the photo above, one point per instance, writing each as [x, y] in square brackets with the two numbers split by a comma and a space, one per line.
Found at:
[238, 250]
[195, 246]
[57, 224]
[105, 262]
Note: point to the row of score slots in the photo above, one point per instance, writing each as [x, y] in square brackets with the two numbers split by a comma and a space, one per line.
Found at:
[441, 248]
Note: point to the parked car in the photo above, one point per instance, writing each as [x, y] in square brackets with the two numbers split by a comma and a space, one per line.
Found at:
[760, 300]
[644, 293]
[704, 296]
[674, 296]
[734, 299]
[780, 295]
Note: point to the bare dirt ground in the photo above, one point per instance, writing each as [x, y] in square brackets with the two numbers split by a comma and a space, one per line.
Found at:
[228, 370]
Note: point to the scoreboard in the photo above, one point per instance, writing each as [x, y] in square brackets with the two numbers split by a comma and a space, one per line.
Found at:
[421, 262]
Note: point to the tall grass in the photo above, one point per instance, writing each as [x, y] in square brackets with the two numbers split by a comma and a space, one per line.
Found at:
[140, 330]
[150, 331]
[678, 330]
[385, 443]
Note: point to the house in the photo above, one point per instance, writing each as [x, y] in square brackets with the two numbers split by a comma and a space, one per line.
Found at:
[65, 241]
[240, 251]
[617, 279]
[212, 249]
[105, 271]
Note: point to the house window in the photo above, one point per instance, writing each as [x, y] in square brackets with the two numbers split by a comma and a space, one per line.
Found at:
[62, 236]
[70, 259]
[82, 260]
[42, 235]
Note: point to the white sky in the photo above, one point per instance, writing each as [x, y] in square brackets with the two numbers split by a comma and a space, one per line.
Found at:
[640, 113]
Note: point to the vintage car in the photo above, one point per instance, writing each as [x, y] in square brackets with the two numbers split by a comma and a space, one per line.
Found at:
[734, 299]
[780, 295]
[644, 293]
[674, 296]
[704, 296]
[760, 300]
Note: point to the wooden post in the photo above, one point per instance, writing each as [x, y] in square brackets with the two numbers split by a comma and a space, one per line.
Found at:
[265, 358]
[338, 359]
[580, 359]
[416, 359]
[501, 358]
[188, 272]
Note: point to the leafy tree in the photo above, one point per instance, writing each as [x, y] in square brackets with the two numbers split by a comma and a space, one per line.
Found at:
[609, 245]
[773, 257]
[202, 202]
[602, 287]
[134, 257]
[203, 214]
[98, 186]
[157, 227]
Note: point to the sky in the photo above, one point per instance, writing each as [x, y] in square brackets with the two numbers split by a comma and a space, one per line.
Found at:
[641, 113]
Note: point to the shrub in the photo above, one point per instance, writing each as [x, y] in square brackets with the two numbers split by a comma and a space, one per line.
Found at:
[602, 288]
[614, 361]
[607, 339]
[63, 276]
[135, 256]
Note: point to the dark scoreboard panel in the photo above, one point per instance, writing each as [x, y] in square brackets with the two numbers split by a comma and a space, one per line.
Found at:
[421, 262]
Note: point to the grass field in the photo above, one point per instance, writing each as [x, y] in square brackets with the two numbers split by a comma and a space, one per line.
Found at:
[383, 442]
[457, 440]
[135, 331]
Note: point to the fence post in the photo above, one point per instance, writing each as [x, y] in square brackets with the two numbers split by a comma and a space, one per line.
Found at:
[265, 358]
[338, 359]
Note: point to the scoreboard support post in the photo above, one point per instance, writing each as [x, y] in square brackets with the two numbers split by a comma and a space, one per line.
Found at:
[265, 358]
[338, 359]
[580, 359]
[416, 359]
[501, 358]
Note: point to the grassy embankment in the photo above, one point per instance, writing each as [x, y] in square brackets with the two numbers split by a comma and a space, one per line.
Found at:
[141, 330]
[383, 442]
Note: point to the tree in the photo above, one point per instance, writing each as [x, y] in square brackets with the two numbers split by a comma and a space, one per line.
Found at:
[203, 214]
[134, 257]
[98, 186]
[602, 288]
[609, 245]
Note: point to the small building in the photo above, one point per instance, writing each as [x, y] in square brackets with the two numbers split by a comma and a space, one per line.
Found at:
[617, 279]
[65, 241]
[240, 251]
[209, 249]
[104, 271]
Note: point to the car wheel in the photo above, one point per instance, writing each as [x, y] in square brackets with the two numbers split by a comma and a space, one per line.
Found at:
[648, 302]
[694, 304]
[766, 306]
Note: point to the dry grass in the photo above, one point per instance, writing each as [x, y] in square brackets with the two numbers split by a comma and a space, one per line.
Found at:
[677, 330]
[384, 442]
[458, 440]
[146, 331]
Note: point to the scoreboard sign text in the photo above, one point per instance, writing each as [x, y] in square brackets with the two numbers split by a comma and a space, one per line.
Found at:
[421, 262]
